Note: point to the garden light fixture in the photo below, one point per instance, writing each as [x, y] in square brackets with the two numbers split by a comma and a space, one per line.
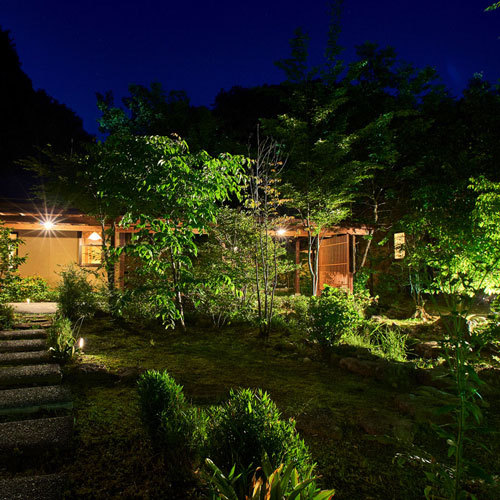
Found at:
[48, 224]
[281, 231]
[94, 237]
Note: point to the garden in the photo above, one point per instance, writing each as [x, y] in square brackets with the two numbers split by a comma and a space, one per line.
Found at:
[195, 369]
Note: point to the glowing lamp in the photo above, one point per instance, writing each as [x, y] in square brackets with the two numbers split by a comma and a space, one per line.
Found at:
[48, 225]
[281, 231]
[94, 237]
[28, 301]
[81, 342]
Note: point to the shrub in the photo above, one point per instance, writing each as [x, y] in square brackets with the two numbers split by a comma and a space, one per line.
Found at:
[249, 426]
[334, 313]
[34, 288]
[283, 483]
[173, 425]
[221, 304]
[76, 296]
[6, 317]
[61, 337]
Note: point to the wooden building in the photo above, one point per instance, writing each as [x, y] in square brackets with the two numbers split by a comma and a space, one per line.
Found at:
[56, 238]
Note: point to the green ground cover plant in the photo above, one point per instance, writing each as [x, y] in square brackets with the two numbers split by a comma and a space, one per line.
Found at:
[34, 288]
[6, 316]
[62, 338]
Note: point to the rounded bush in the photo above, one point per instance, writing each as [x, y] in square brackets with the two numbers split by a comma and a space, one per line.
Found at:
[332, 314]
[169, 419]
[249, 426]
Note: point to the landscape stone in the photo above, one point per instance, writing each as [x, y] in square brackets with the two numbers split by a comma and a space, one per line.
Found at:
[430, 349]
[25, 358]
[22, 345]
[49, 487]
[35, 435]
[32, 399]
[22, 334]
[13, 376]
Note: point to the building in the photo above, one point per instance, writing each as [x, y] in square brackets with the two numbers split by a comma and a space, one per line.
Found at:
[56, 238]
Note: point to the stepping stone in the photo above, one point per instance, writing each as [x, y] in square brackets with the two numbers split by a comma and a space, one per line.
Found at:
[13, 376]
[22, 345]
[49, 487]
[26, 358]
[22, 334]
[33, 399]
[35, 435]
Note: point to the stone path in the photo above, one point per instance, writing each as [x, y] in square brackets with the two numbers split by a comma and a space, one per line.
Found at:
[35, 418]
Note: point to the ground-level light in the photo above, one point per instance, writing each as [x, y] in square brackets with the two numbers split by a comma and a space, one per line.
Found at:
[81, 343]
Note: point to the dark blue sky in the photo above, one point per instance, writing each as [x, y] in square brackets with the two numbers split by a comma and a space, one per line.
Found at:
[74, 49]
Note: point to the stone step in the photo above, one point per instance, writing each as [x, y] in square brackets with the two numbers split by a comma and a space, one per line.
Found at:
[31, 436]
[22, 345]
[38, 333]
[49, 487]
[22, 326]
[33, 399]
[14, 376]
[25, 358]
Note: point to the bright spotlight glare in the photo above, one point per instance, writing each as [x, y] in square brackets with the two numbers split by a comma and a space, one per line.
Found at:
[48, 225]
[81, 343]
[281, 232]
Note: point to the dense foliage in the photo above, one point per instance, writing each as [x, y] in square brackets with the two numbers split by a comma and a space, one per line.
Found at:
[76, 298]
[171, 422]
[62, 338]
[332, 314]
[247, 427]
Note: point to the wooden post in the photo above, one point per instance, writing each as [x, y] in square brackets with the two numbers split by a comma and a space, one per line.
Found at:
[297, 261]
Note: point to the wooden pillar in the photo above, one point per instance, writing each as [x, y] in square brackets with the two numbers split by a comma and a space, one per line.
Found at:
[297, 261]
[117, 263]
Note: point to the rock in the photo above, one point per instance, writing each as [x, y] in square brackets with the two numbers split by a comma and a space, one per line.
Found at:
[404, 430]
[361, 367]
[22, 334]
[49, 487]
[400, 375]
[336, 433]
[374, 425]
[25, 358]
[423, 405]
[430, 349]
[33, 399]
[35, 435]
[129, 375]
[92, 373]
[13, 376]
[22, 345]
[306, 360]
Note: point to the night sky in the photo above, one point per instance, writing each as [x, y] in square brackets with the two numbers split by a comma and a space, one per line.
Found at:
[75, 49]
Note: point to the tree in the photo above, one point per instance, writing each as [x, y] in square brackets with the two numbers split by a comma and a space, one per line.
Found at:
[30, 120]
[263, 202]
[9, 260]
[172, 196]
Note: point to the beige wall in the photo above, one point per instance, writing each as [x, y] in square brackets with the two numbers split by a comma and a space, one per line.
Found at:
[48, 253]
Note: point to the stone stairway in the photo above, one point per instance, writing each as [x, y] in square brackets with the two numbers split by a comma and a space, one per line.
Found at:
[35, 418]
